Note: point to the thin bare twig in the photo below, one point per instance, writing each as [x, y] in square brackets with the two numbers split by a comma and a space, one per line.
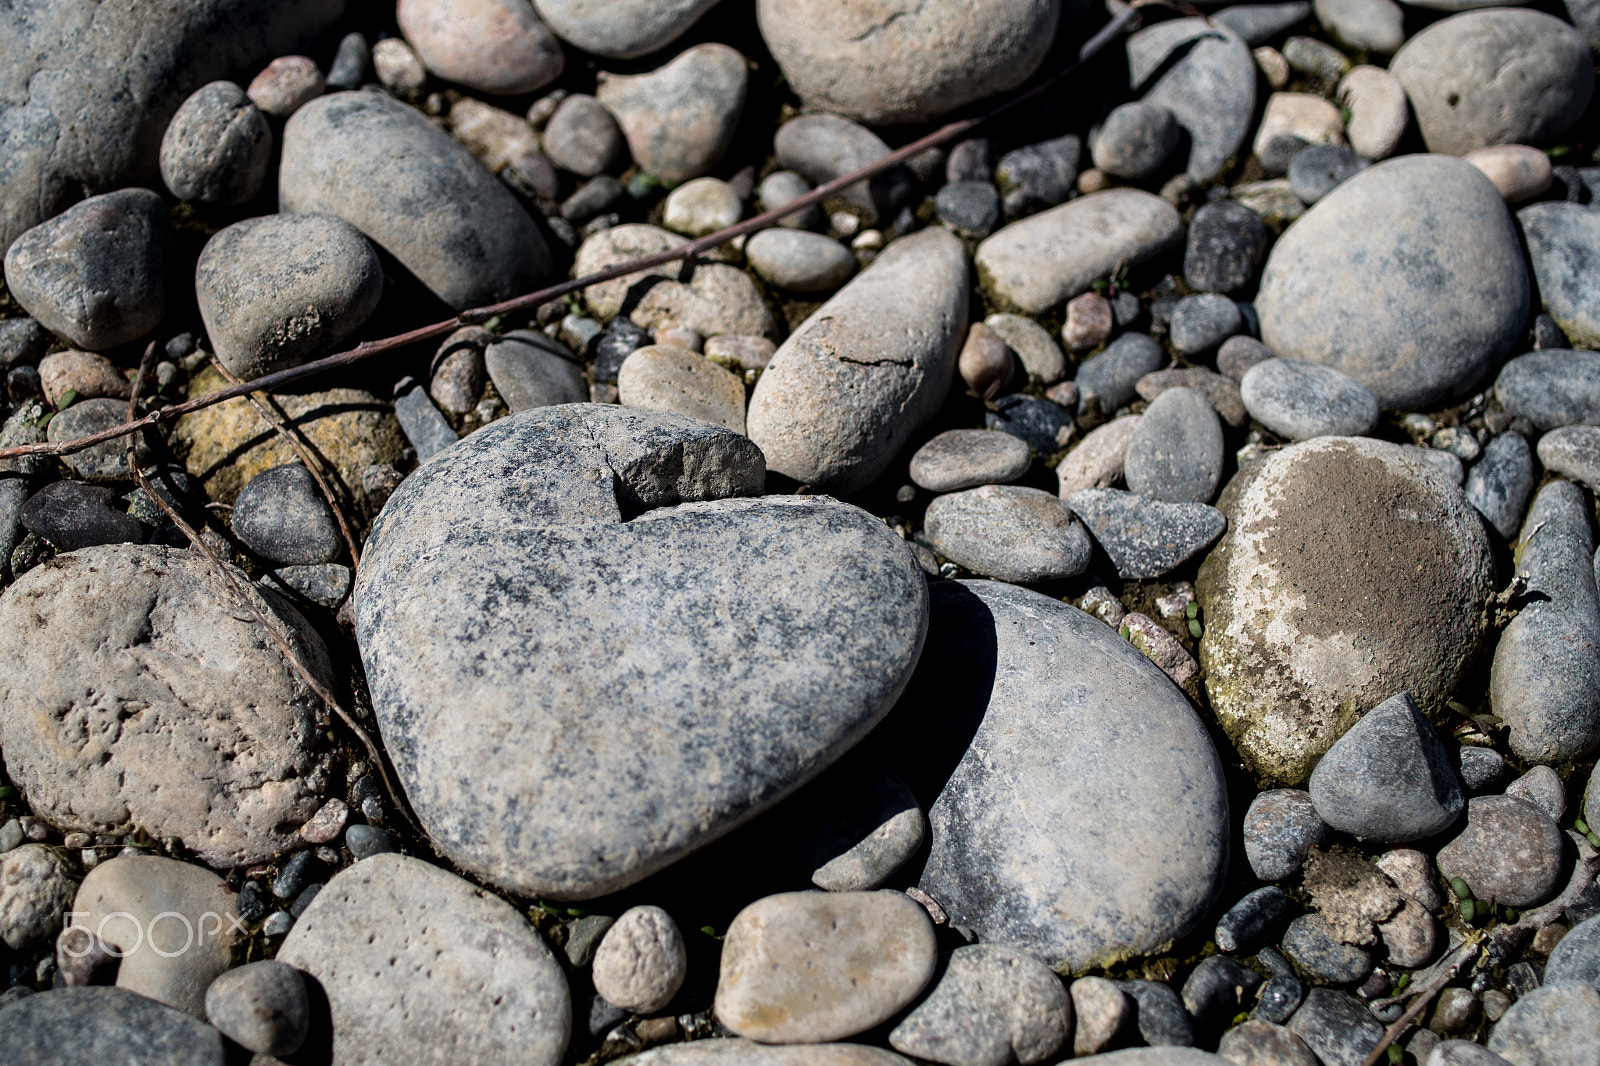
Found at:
[278, 420]
[1425, 995]
[1113, 30]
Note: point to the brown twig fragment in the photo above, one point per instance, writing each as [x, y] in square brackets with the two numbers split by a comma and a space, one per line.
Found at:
[1424, 996]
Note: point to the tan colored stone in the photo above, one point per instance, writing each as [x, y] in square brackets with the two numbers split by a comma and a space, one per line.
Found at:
[1097, 462]
[1379, 111]
[88, 374]
[498, 138]
[1303, 115]
[1518, 171]
[664, 378]
[679, 118]
[35, 888]
[494, 46]
[985, 362]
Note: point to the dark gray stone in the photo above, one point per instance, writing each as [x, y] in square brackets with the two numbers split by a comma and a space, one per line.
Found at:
[582, 137]
[620, 339]
[218, 147]
[1043, 426]
[1254, 919]
[1146, 538]
[427, 430]
[1321, 168]
[1546, 334]
[1227, 241]
[22, 340]
[1279, 998]
[262, 1006]
[100, 462]
[1499, 483]
[349, 67]
[1175, 454]
[990, 1005]
[95, 1025]
[493, 549]
[1239, 354]
[593, 198]
[365, 841]
[1200, 323]
[281, 515]
[1509, 853]
[1576, 959]
[1299, 400]
[1280, 828]
[1571, 451]
[71, 515]
[1259, 23]
[1008, 532]
[326, 585]
[969, 207]
[1077, 857]
[1135, 141]
[821, 147]
[1551, 388]
[1563, 242]
[1557, 1025]
[415, 192]
[97, 273]
[1110, 380]
[1388, 779]
[972, 159]
[1545, 680]
[1037, 176]
[1337, 1027]
[1205, 75]
[530, 370]
[1217, 989]
[1159, 1014]
[1482, 769]
[966, 458]
[278, 291]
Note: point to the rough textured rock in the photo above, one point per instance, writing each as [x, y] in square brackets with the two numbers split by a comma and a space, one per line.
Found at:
[622, 30]
[680, 118]
[1576, 959]
[1096, 463]
[1351, 571]
[809, 967]
[1563, 245]
[886, 64]
[1388, 778]
[1143, 537]
[36, 886]
[1110, 379]
[847, 390]
[665, 378]
[1008, 532]
[1280, 827]
[1509, 852]
[466, 562]
[1079, 855]
[494, 46]
[262, 1006]
[1554, 1026]
[419, 965]
[218, 147]
[640, 962]
[1205, 75]
[157, 705]
[1419, 261]
[415, 192]
[96, 1025]
[991, 1006]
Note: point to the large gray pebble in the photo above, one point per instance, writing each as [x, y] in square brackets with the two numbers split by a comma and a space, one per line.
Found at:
[281, 515]
[1500, 481]
[1110, 379]
[1081, 856]
[97, 273]
[530, 370]
[582, 136]
[493, 46]
[846, 391]
[217, 148]
[505, 567]
[801, 261]
[966, 458]
[96, 1025]
[1576, 959]
[990, 1006]
[1504, 76]
[277, 291]
[1201, 322]
[1176, 452]
[1550, 388]
[1564, 249]
[622, 30]
[1205, 75]
[1146, 538]
[1418, 262]
[679, 119]
[1509, 853]
[415, 192]
[1300, 400]
[1545, 680]
[420, 965]
[1258, 24]
[1135, 141]
[748, 1053]
[1388, 778]
[1558, 1025]
[1337, 1027]
[261, 1006]
[1008, 532]
[821, 147]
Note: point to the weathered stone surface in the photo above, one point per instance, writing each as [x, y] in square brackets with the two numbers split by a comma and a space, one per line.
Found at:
[96, 1025]
[282, 517]
[278, 291]
[1280, 827]
[640, 962]
[1388, 778]
[1205, 75]
[1510, 852]
[1418, 260]
[966, 458]
[892, 64]
[1096, 463]
[1351, 571]
[1111, 378]
[419, 965]
[1499, 482]
[867, 828]
[158, 703]
[1300, 400]
[990, 1006]
[1554, 1026]
[679, 119]
[1553, 387]
[36, 886]
[494, 46]
[1008, 532]
[1261, 1043]
[1563, 247]
[106, 461]
[552, 585]
[850, 387]
[1046, 258]
[622, 30]
[1337, 1027]
[415, 192]
[821, 147]
[665, 378]
[262, 1006]
[1143, 537]
[809, 967]
[218, 147]
[1060, 823]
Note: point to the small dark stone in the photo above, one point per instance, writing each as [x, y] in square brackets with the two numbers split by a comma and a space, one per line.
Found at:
[1279, 997]
[1547, 334]
[1483, 769]
[1252, 920]
[1039, 175]
[427, 430]
[252, 903]
[303, 900]
[594, 197]
[1200, 323]
[24, 381]
[1388, 778]
[1337, 1027]
[365, 841]
[603, 1016]
[620, 339]
[1110, 380]
[1146, 538]
[970, 160]
[1319, 169]
[1238, 354]
[295, 875]
[1136, 140]
[281, 516]
[1126, 310]
[1159, 1014]
[1309, 942]
[349, 68]
[1499, 483]
[22, 340]
[971, 207]
[1042, 425]
[1227, 241]
[1217, 988]
[71, 515]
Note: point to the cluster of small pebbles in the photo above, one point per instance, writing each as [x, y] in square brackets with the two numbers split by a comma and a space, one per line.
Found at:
[1120, 584]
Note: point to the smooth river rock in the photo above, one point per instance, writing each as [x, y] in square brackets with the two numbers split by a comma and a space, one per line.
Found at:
[1205, 75]
[95, 1025]
[1551, 388]
[621, 30]
[1351, 571]
[1008, 532]
[680, 118]
[530, 582]
[1564, 248]
[493, 46]
[990, 1006]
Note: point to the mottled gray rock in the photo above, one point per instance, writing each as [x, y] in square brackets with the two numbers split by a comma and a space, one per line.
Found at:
[36, 886]
[418, 964]
[1238, 354]
[1483, 769]
[1220, 392]
[1576, 959]
[217, 148]
[1101, 1010]
[1280, 827]
[427, 430]
[1008, 532]
[1541, 786]
[582, 136]
[107, 461]
[868, 830]
[261, 1006]
[1563, 245]
[415, 192]
[798, 260]
[72, 515]
[1323, 518]
[1418, 260]
[326, 585]
[1550, 388]
[1143, 537]
[1545, 680]
[808, 967]
[1226, 243]
[1200, 323]
[1572, 451]
[95, 1025]
[1176, 452]
[850, 386]
[821, 147]
[748, 1053]
[1096, 463]
[220, 752]
[1337, 1027]
[1463, 1053]
[1256, 24]
[97, 273]
[1558, 1025]
[1457, 73]
[1110, 379]
[1078, 857]
[1279, 997]
[1038, 175]
[1300, 400]
[281, 516]
[85, 108]
[530, 370]
[1262, 1043]
[278, 291]
[1053, 256]
[1412, 872]
[1217, 988]
[679, 119]
[1158, 1014]
[966, 458]
[971, 208]
[622, 30]
[494, 46]
[1388, 778]
[1321, 168]
[990, 1006]
[1135, 141]
[640, 963]
[626, 794]
[1499, 483]
[894, 65]
[1252, 920]
[1204, 74]
[1510, 852]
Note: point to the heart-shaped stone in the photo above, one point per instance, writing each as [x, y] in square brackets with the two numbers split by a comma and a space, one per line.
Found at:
[591, 651]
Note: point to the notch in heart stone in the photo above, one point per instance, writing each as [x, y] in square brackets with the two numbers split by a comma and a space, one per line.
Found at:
[592, 648]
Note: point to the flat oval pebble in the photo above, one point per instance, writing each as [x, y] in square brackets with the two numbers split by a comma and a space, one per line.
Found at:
[737, 1052]
[809, 967]
[1008, 532]
[679, 119]
[966, 458]
[1135, 140]
[1146, 538]
[1299, 400]
[664, 378]
[582, 136]
[1550, 388]
[1379, 111]
[801, 261]
[1244, 926]
[1220, 392]
[990, 1006]
[821, 146]
[494, 46]
[72, 515]
[1520, 173]
[1175, 454]
[1200, 323]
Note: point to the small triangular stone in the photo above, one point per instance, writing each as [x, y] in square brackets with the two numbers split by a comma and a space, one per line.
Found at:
[1388, 778]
